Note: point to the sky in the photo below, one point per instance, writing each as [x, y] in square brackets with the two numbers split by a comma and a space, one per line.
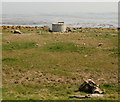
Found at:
[58, 7]
[60, 0]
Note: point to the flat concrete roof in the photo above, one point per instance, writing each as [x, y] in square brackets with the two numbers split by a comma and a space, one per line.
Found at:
[58, 23]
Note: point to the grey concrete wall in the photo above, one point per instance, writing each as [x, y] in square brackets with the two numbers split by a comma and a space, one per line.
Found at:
[58, 27]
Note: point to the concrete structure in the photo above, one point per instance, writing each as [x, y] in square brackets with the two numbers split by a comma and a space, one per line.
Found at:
[59, 27]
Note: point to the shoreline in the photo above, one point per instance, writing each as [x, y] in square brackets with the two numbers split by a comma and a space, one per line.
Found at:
[9, 25]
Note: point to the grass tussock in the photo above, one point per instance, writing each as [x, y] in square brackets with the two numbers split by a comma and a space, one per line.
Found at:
[9, 59]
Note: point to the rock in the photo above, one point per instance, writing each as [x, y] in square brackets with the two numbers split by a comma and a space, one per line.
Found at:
[4, 27]
[16, 31]
[46, 28]
[79, 96]
[44, 43]
[86, 96]
[96, 95]
[85, 55]
[97, 90]
[69, 29]
[73, 78]
[39, 32]
[37, 45]
[36, 27]
[100, 44]
[84, 44]
[8, 41]
[50, 30]
[90, 86]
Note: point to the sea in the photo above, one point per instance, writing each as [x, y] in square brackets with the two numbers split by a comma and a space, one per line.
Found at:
[90, 20]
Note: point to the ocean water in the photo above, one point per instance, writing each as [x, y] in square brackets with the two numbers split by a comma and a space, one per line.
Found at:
[73, 20]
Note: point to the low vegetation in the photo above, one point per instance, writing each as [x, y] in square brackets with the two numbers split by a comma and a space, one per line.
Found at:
[52, 66]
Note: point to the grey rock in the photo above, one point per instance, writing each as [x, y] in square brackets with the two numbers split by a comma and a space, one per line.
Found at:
[90, 86]
[16, 31]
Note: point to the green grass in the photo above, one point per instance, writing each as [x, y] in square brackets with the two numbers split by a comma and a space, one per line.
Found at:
[19, 45]
[9, 59]
[68, 47]
[110, 88]
[61, 47]
[115, 52]
[25, 30]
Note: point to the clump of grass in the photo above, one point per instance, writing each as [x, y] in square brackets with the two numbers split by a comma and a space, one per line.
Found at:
[61, 47]
[109, 88]
[67, 47]
[19, 45]
[9, 59]
[44, 35]
[115, 52]
[79, 30]
[86, 70]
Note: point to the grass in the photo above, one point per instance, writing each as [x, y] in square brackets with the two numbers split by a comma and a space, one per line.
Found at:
[19, 45]
[52, 66]
[110, 88]
[61, 47]
[115, 52]
[9, 59]
[66, 47]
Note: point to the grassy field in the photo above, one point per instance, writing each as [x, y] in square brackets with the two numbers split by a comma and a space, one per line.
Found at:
[52, 66]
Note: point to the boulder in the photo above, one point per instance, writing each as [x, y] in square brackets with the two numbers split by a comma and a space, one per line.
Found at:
[16, 31]
[46, 28]
[69, 29]
[50, 30]
[90, 86]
